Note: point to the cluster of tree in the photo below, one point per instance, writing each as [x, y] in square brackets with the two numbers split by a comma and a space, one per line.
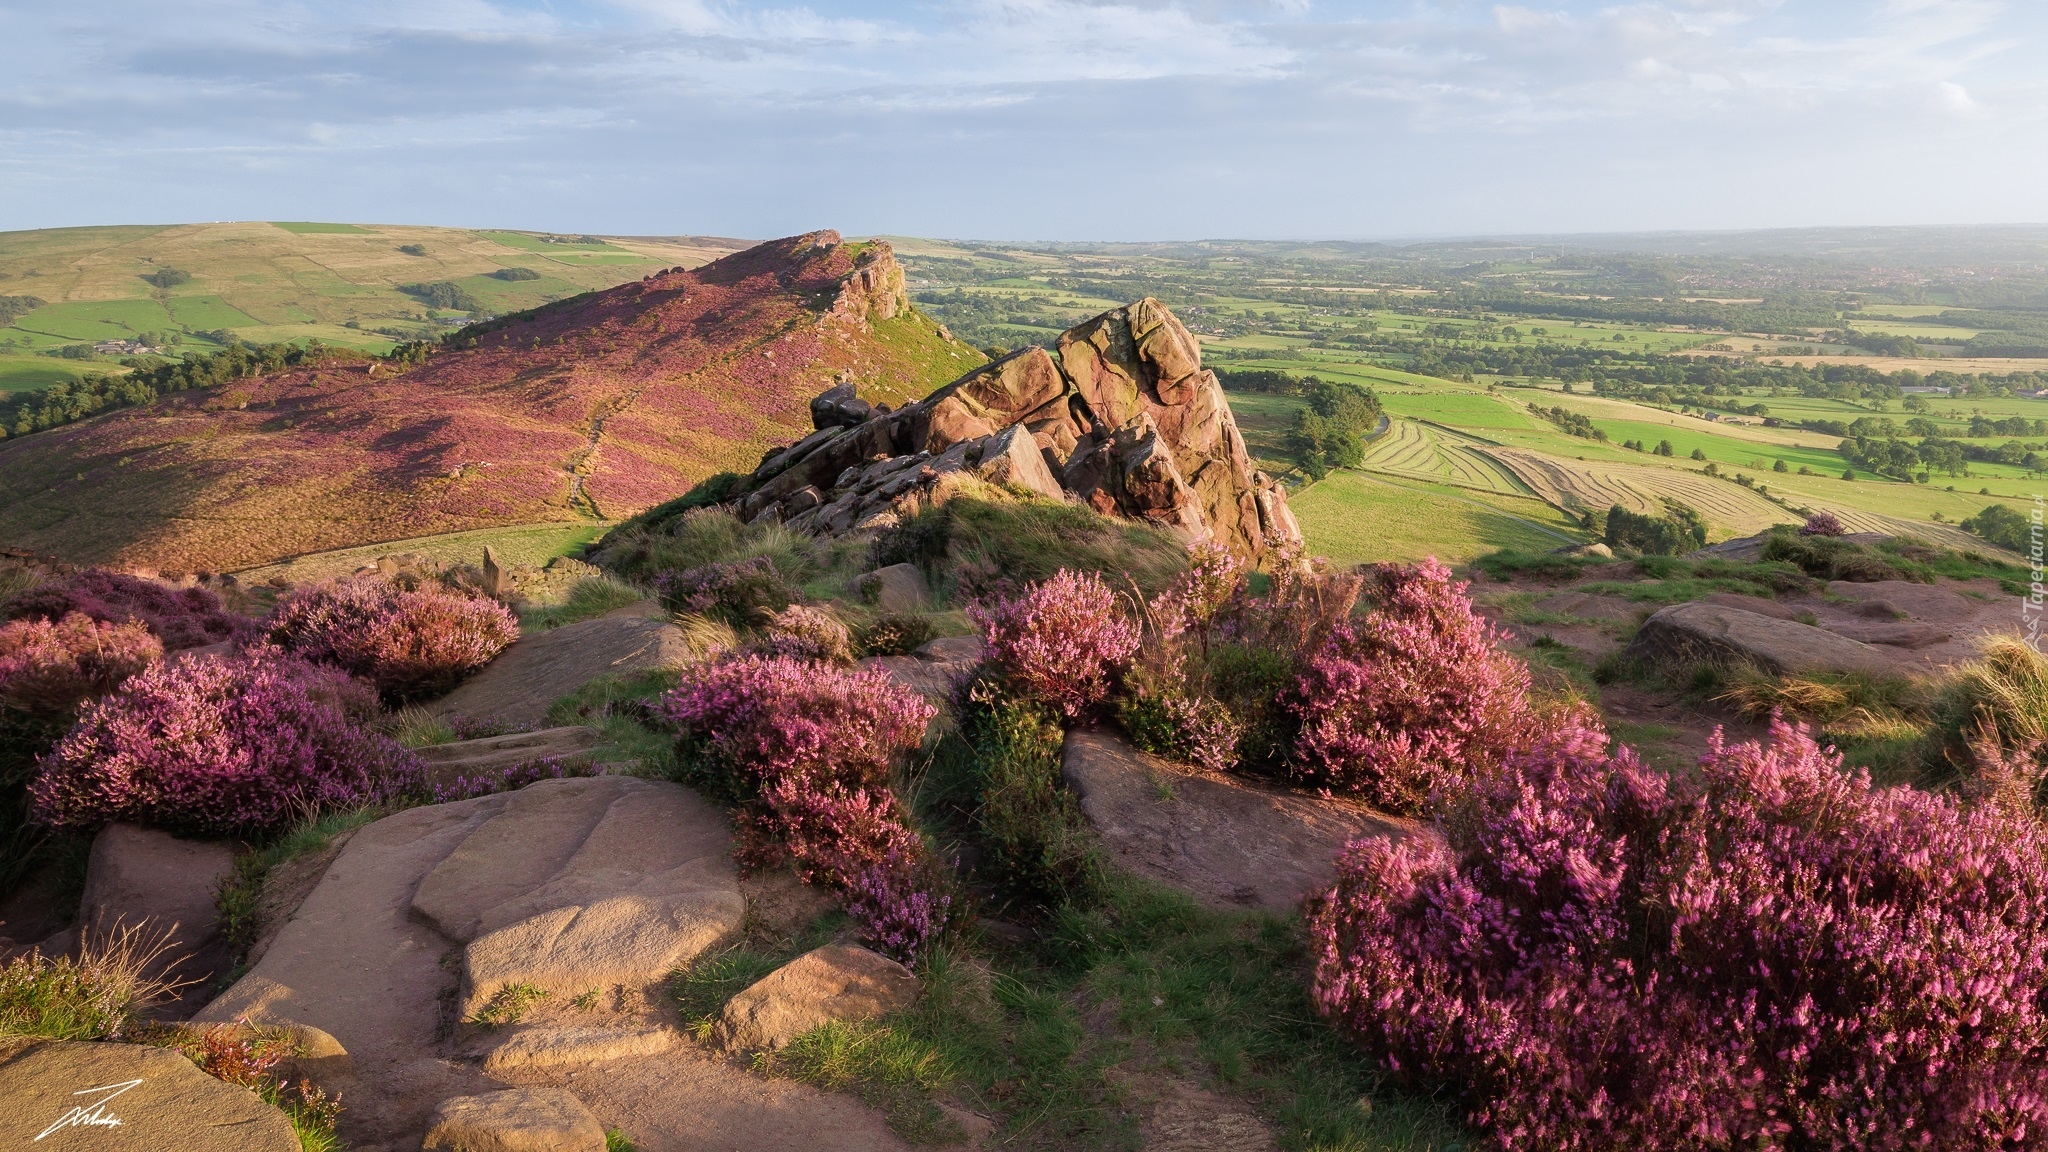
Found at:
[1679, 529]
[413, 249]
[1877, 343]
[1330, 432]
[443, 294]
[1904, 460]
[1663, 447]
[169, 277]
[24, 412]
[1571, 422]
[516, 274]
[12, 307]
[2004, 527]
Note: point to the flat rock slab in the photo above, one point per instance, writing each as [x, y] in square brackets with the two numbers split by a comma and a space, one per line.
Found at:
[73, 1096]
[447, 763]
[935, 668]
[1756, 604]
[545, 1046]
[153, 881]
[1687, 634]
[1924, 602]
[514, 1120]
[541, 668]
[355, 963]
[1226, 842]
[585, 883]
[836, 982]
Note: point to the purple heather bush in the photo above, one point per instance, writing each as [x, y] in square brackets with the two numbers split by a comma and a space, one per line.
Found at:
[1772, 955]
[179, 617]
[509, 778]
[806, 749]
[1063, 641]
[1822, 524]
[740, 592]
[410, 643]
[218, 745]
[48, 668]
[1416, 696]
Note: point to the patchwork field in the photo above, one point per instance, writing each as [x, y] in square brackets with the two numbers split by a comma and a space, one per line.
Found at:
[1419, 451]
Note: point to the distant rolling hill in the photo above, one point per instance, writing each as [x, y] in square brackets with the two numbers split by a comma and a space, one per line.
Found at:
[262, 282]
[599, 405]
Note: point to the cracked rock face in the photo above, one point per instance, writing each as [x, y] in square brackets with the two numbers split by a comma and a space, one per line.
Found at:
[1120, 416]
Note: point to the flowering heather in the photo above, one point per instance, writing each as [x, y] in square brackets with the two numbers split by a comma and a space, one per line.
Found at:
[806, 748]
[1415, 696]
[1776, 955]
[1062, 641]
[409, 643]
[738, 592]
[49, 668]
[509, 778]
[1822, 524]
[180, 617]
[899, 904]
[221, 746]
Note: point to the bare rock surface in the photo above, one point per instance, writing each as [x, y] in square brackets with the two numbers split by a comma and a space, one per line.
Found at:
[355, 963]
[448, 762]
[593, 882]
[1756, 604]
[1185, 1118]
[542, 667]
[1591, 606]
[1686, 634]
[934, 669]
[895, 588]
[1121, 416]
[836, 982]
[74, 1096]
[1226, 842]
[152, 881]
[546, 1045]
[514, 1120]
[1929, 603]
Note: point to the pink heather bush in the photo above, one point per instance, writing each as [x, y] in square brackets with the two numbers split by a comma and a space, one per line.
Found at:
[49, 668]
[221, 746]
[1822, 524]
[1416, 696]
[180, 617]
[900, 905]
[409, 643]
[1062, 641]
[1775, 956]
[806, 748]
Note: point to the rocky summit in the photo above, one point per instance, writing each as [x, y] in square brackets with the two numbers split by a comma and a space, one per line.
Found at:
[1120, 415]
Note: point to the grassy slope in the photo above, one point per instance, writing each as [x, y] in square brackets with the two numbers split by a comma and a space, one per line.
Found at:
[267, 282]
[677, 369]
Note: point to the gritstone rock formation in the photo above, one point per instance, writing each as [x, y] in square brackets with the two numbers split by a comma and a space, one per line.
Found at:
[1120, 416]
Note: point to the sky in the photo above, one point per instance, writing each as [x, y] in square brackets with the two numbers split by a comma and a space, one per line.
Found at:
[1027, 119]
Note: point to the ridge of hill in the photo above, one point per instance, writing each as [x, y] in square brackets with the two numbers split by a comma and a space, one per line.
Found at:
[591, 407]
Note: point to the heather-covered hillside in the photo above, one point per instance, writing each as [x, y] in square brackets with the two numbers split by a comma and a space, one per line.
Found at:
[595, 406]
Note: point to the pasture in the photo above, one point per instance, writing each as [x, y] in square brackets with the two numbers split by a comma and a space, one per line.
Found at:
[1354, 518]
[1418, 451]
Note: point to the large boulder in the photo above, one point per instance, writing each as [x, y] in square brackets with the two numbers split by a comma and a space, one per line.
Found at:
[542, 667]
[163, 887]
[1221, 840]
[584, 883]
[129, 1098]
[1696, 633]
[1121, 416]
[836, 982]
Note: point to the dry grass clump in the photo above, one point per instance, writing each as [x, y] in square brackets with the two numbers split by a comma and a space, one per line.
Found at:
[95, 996]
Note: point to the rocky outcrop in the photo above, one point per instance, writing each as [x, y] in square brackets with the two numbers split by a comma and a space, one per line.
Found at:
[542, 667]
[1120, 416]
[1688, 634]
[162, 887]
[131, 1098]
[836, 982]
[1221, 840]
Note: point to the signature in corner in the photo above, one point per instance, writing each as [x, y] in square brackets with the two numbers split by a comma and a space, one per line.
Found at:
[94, 1114]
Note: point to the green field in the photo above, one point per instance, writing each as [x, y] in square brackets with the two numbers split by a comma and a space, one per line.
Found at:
[1353, 518]
[533, 544]
[1418, 451]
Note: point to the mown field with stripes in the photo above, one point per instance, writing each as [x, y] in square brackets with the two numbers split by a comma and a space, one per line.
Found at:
[1421, 451]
